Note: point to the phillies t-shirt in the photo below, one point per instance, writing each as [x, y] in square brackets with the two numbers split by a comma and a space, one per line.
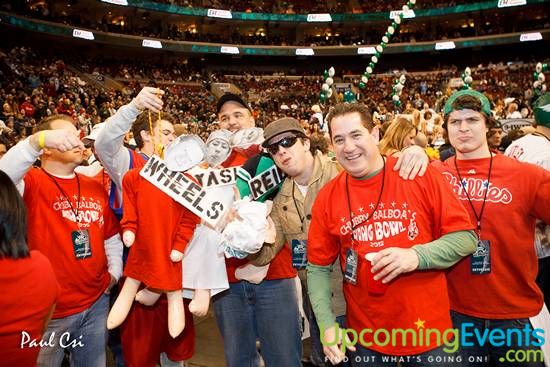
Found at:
[409, 213]
[29, 290]
[80, 264]
[518, 193]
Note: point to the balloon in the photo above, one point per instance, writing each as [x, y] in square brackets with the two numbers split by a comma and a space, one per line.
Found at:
[371, 64]
[377, 54]
[538, 68]
[325, 74]
[402, 79]
[379, 48]
[542, 78]
[405, 8]
[395, 98]
[543, 88]
[412, 2]
[325, 87]
[329, 93]
[468, 71]
[399, 87]
[391, 30]
[386, 38]
[544, 67]
[331, 72]
[468, 80]
[369, 70]
[536, 84]
[397, 19]
[364, 79]
[374, 59]
[361, 85]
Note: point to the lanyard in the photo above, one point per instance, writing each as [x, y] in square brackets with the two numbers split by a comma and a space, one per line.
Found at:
[73, 209]
[463, 184]
[373, 211]
[296, 205]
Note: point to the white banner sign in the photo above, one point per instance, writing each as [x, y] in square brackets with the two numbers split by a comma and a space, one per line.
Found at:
[508, 3]
[515, 124]
[217, 177]
[185, 191]
[319, 18]
[79, 33]
[217, 13]
[265, 182]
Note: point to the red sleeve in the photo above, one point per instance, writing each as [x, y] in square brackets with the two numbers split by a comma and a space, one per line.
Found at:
[186, 228]
[130, 216]
[448, 213]
[322, 247]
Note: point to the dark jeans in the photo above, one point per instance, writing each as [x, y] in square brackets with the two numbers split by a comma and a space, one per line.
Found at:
[517, 350]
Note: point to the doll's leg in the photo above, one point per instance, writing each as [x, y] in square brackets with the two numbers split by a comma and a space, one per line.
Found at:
[147, 297]
[176, 313]
[201, 300]
[123, 303]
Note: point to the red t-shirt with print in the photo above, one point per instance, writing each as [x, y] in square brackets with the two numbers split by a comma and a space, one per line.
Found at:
[409, 213]
[518, 193]
[80, 269]
[29, 290]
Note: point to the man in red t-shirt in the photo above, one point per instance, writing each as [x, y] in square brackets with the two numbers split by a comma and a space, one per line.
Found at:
[70, 222]
[494, 289]
[391, 236]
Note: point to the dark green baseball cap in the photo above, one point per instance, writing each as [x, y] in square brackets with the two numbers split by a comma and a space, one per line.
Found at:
[485, 104]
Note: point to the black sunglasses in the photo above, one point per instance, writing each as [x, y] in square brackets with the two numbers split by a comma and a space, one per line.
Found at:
[285, 143]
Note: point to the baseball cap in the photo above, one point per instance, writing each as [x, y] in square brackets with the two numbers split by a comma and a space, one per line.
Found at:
[280, 126]
[230, 97]
[541, 109]
[485, 104]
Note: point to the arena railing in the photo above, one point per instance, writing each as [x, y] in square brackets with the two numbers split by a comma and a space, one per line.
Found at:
[115, 39]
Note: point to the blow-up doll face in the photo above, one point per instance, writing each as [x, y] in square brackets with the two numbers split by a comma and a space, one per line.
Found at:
[217, 152]
[247, 137]
[184, 153]
[218, 147]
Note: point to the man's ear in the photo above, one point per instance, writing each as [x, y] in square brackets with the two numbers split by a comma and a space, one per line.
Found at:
[375, 133]
[145, 136]
[307, 144]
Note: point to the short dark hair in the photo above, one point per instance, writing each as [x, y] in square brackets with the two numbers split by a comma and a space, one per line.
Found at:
[344, 108]
[13, 221]
[467, 102]
[142, 123]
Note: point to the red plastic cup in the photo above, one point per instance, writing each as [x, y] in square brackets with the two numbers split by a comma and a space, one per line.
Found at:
[374, 286]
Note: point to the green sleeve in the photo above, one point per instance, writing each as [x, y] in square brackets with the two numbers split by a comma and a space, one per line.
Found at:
[320, 294]
[446, 250]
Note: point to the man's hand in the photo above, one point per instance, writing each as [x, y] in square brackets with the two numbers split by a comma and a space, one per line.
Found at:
[412, 162]
[61, 139]
[128, 238]
[393, 261]
[335, 352]
[149, 98]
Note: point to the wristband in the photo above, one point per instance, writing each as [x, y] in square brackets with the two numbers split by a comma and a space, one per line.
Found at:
[42, 140]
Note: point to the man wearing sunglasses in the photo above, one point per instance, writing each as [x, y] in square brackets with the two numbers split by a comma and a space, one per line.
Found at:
[307, 172]
[267, 310]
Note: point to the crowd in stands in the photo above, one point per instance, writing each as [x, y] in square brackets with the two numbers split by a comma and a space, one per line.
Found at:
[33, 86]
[306, 6]
[156, 27]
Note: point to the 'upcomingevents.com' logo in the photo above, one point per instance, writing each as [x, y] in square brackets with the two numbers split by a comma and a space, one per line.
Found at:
[451, 339]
